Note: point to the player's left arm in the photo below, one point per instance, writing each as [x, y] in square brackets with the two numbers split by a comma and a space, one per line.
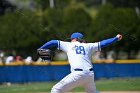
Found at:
[55, 44]
[110, 41]
[50, 44]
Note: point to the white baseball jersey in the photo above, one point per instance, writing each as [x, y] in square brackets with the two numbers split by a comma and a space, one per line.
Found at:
[79, 54]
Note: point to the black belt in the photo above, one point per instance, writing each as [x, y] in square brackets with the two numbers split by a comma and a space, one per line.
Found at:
[78, 69]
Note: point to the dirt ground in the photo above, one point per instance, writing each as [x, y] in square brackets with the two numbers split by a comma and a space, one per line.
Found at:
[112, 92]
[121, 92]
[105, 92]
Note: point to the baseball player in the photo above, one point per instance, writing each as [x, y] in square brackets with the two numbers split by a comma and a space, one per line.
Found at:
[79, 56]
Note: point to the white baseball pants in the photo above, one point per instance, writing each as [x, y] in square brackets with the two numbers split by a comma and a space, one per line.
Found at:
[74, 79]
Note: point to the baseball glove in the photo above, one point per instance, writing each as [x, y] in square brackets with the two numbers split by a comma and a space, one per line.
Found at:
[45, 54]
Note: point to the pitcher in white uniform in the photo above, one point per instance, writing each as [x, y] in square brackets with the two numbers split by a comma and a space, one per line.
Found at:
[79, 56]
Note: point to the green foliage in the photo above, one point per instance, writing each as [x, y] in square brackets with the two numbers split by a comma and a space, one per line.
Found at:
[63, 22]
[52, 19]
[100, 25]
[112, 21]
[43, 4]
[19, 30]
[76, 20]
[62, 3]
[24, 29]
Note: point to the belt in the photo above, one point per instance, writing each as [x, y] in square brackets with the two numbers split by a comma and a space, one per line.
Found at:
[78, 69]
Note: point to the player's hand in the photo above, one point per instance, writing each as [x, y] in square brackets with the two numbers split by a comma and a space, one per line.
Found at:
[119, 37]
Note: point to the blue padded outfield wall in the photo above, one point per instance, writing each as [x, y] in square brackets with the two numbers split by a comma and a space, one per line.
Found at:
[35, 73]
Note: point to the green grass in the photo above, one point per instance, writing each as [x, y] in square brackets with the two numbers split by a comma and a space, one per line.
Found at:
[102, 85]
[119, 85]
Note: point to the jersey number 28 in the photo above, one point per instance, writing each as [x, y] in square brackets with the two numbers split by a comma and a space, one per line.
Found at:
[80, 50]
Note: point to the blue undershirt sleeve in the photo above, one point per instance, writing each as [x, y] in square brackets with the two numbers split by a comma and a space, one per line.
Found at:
[107, 42]
[50, 44]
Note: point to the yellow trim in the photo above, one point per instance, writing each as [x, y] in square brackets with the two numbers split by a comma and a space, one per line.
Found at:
[117, 61]
[1, 63]
[40, 63]
[66, 63]
[103, 61]
[51, 63]
[127, 61]
[12, 64]
[60, 63]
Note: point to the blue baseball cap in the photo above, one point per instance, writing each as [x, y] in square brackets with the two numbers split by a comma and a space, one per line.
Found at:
[77, 35]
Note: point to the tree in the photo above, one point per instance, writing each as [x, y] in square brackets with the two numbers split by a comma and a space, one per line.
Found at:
[63, 22]
[111, 21]
[19, 30]
[76, 19]
[125, 3]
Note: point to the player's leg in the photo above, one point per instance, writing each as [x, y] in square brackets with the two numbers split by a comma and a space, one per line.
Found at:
[66, 84]
[89, 85]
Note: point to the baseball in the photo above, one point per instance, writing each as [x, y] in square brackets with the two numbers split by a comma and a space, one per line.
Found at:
[119, 37]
